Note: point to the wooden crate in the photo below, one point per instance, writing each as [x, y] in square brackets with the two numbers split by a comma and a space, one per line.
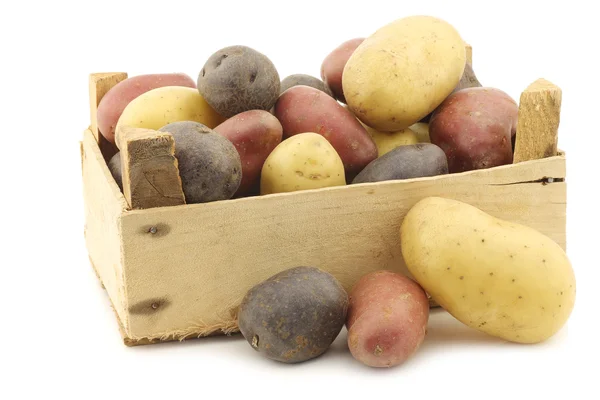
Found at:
[179, 272]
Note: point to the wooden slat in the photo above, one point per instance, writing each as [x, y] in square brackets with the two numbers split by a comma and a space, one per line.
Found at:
[469, 51]
[104, 205]
[539, 117]
[100, 83]
[149, 168]
[196, 262]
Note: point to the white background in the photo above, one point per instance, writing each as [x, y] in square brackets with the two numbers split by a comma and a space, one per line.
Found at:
[60, 337]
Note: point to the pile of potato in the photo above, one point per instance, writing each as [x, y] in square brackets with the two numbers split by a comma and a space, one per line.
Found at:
[400, 104]
[498, 277]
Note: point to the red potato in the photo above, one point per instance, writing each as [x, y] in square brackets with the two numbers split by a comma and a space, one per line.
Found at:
[387, 319]
[254, 134]
[333, 66]
[305, 109]
[475, 128]
[117, 98]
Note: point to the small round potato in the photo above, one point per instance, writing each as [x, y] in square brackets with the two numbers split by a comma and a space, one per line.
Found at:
[406, 162]
[237, 79]
[209, 165]
[114, 166]
[387, 319]
[295, 315]
[305, 80]
[304, 161]
[333, 66]
[474, 127]
[254, 134]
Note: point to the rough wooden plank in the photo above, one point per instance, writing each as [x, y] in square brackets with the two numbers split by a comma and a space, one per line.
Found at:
[104, 205]
[539, 117]
[149, 168]
[189, 267]
[469, 51]
[101, 83]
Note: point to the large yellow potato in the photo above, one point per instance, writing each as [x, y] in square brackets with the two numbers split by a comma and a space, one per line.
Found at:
[159, 107]
[499, 277]
[304, 161]
[403, 72]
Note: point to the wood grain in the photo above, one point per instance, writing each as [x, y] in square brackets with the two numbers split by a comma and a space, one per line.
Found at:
[100, 83]
[149, 168]
[202, 258]
[104, 205]
[539, 117]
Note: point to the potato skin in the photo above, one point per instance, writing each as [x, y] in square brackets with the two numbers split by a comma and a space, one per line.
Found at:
[237, 79]
[499, 277]
[305, 109]
[254, 134]
[475, 127]
[295, 315]
[304, 80]
[162, 106]
[403, 72]
[119, 96]
[304, 161]
[406, 162]
[114, 166]
[333, 66]
[209, 165]
[387, 319]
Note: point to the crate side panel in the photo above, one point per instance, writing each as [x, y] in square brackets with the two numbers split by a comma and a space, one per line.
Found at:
[104, 205]
[189, 276]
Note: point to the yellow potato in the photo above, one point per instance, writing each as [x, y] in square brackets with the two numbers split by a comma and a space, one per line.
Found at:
[159, 107]
[499, 277]
[421, 129]
[403, 72]
[304, 161]
[387, 142]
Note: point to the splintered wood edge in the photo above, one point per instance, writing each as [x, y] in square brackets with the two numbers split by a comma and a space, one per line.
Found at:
[149, 168]
[538, 121]
[100, 84]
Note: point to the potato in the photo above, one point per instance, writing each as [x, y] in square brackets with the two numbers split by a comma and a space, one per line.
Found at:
[254, 134]
[237, 79]
[499, 277]
[209, 165]
[386, 141]
[474, 127]
[387, 319]
[304, 161]
[406, 162]
[421, 129]
[403, 72]
[333, 66]
[304, 109]
[305, 80]
[466, 81]
[159, 107]
[116, 99]
[114, 166]
[295, 315]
